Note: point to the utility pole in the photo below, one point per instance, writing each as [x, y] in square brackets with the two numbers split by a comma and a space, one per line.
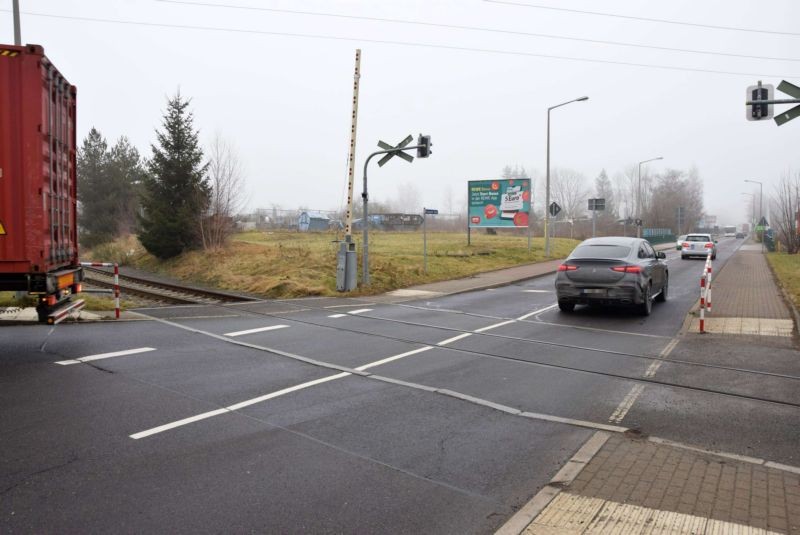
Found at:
[347, 261]
[639, 194]
[17, 33]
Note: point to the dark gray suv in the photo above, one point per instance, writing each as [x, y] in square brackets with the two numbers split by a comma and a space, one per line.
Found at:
[608, 271]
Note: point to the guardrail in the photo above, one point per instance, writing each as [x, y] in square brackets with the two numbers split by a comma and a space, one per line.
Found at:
[116, 281]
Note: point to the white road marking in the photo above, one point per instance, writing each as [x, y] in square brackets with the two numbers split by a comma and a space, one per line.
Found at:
[537, 312]
[496, 325]
[538, 291]
[360, 310]
[453, 339]
[106, 356]
[337, 315]
[626, 404]
[236, 406]
[258, 330]
[656, 364]
[271, 395]
[391, 359]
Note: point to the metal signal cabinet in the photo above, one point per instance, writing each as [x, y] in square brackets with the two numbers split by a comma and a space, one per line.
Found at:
[38, 179]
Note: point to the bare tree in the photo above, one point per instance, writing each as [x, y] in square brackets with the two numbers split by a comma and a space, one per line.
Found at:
[569, 189]
[227, 193]
[785, 210]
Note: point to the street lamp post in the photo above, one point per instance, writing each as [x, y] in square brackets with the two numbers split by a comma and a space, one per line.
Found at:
[760, 207]
[547, 184]
[639, 194]
[752, 208]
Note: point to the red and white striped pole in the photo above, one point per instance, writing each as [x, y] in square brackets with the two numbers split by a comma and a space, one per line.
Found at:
[708, 287]
[116, 290]
[703, 303]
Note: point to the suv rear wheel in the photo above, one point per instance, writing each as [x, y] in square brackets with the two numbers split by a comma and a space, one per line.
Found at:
[664, 291]
[566, 307]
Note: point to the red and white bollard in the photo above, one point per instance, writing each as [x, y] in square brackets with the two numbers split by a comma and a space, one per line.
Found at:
[703, 303]
[116, 290]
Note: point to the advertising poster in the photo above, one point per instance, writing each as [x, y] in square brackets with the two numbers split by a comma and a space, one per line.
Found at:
[499, 203]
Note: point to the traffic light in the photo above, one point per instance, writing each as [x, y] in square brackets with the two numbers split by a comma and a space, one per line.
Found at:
[424, 148]
[759, 112]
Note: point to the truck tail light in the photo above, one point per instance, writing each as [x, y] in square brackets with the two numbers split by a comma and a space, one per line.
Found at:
[566, 267]
[627, 269]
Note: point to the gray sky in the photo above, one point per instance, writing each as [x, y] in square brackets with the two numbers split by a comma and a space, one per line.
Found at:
[284, 101]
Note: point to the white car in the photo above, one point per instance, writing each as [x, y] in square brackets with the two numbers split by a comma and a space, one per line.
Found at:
[698, 245]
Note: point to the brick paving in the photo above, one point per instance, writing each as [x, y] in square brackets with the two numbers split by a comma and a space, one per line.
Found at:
[667, 478]
[746, 288]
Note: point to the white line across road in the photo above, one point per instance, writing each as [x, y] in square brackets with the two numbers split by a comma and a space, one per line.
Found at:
[495, 326]
[360, 311]
[537, 312]
[337, 315]
[106, 356]
[257, 330]
[453, 339]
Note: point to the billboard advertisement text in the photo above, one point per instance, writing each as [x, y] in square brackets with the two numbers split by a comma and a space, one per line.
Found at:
[499, 203]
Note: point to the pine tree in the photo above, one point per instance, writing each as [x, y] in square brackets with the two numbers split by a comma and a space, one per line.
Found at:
[125, 179]
[95, 220]
[176, 192]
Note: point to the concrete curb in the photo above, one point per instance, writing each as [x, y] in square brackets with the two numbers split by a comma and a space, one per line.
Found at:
[522, 518]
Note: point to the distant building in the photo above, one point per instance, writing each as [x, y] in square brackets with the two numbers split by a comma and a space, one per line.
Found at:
[313, 221]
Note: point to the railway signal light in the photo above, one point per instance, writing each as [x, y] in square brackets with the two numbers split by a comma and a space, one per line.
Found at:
[424, 146]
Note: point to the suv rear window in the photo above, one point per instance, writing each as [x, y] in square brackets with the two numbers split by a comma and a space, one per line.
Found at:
[699, 237]
[601, 251]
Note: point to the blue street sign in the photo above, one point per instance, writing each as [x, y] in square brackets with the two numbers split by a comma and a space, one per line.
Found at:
[431, 211]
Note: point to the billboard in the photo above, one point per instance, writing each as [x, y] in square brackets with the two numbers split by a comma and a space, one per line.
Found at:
[499, 203]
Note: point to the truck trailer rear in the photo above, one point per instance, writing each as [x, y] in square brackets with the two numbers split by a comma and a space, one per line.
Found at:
[38, 182]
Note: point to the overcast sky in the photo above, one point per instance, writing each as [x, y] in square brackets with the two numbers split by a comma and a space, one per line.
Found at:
[285, 101]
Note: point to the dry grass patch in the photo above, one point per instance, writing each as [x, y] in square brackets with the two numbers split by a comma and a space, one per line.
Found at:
[787, 268]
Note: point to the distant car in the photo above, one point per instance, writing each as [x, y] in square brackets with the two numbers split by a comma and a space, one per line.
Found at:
[679, 243]
[698, 245]
[740, 235]
[612, 271]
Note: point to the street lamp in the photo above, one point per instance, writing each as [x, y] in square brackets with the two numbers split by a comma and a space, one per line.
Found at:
[760, 207]
[639, 194]
[547, 184]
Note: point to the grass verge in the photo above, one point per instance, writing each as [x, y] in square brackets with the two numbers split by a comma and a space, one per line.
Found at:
[293, 264]
[787, 269]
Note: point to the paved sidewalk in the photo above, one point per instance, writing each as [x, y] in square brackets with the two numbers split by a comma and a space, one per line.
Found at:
[745, 299]
[636, 485]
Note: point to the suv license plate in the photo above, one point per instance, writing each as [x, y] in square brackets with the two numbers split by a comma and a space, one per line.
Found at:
[593, 290]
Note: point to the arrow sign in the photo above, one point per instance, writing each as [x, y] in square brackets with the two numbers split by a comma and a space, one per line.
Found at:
[793, 91]
[403, 155]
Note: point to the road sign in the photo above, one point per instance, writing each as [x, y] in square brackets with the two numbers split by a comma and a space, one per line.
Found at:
[759, 112]
[793, 91]
[554, 209]
[597, 204]
[403, 155]
[499, 203]
[431, 211]
[638, 222]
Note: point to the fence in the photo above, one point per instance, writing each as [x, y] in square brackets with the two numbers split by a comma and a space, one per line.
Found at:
[115, 291]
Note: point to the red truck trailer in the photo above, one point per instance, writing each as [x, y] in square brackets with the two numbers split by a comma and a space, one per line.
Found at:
[38, 178]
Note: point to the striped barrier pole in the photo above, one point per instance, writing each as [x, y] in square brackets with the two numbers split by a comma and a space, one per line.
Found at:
[703, 304]
[116, 290]
[708, 286]
[116, 280]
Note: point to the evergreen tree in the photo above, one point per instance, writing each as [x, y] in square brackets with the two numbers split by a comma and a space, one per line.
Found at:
[605, 190]
[176, 190]
[125, 180]
[94, 219]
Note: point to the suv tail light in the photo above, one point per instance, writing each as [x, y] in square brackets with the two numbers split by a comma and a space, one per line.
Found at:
[627, 269]
[565, 267]
[685, 244]
[709, 245]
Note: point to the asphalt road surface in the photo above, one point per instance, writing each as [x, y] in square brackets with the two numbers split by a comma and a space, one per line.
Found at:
[261, 417]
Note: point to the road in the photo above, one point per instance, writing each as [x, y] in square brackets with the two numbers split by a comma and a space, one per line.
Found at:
[255, 417]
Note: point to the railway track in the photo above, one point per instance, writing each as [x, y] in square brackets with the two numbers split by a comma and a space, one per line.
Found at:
[160, 292]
